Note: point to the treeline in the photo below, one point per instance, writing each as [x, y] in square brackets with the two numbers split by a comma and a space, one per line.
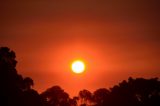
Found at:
[16, 90]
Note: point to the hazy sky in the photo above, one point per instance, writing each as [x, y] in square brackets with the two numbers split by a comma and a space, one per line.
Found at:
[116, 39]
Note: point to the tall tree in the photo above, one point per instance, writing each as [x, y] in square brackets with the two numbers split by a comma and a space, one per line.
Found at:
[15, 90]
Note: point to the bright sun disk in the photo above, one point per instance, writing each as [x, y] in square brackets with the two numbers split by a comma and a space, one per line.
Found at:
[78, 66]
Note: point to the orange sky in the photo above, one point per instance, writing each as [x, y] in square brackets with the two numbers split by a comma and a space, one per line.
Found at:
[115, 39]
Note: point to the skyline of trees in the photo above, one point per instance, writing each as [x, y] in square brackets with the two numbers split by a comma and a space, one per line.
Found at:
[16, 90]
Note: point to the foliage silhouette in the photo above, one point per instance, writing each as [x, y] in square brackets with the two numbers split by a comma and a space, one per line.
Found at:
[17, 91]
[135, 92]
[85, 97]
[100, 96]
[55, 96]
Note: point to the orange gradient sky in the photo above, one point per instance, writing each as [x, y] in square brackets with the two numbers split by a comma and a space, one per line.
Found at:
[116, 40]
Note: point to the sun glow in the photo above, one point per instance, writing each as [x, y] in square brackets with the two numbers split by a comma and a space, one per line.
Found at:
[78, 66]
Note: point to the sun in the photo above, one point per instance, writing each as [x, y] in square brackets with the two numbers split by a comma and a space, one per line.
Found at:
[78, 66]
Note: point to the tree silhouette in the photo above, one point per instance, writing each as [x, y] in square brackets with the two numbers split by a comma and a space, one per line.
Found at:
[100, 96]
[136, 92]
[15, 90]
[28, 83]
[74, 101]
[56, 96]
[9, 79]
[85, 97]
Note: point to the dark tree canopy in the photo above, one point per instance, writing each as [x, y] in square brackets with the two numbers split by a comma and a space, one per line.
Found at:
[136, 92]
[15, 90]
[100, 96]
[85, 96]
[55, 96]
